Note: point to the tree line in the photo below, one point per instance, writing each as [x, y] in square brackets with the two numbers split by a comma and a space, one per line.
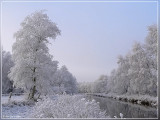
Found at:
[32, 69]
[136, 72]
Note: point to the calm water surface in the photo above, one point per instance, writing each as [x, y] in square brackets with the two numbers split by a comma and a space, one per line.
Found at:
[129, 110]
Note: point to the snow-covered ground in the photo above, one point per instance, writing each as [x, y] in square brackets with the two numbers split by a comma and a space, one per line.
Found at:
[16, 107]
[16, 111]
[4, 99]
[60, 106]
[68, 106]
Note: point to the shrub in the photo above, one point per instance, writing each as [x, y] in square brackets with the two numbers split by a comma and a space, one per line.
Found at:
[66, 106]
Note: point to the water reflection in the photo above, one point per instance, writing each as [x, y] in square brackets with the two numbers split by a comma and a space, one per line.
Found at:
[129, 110]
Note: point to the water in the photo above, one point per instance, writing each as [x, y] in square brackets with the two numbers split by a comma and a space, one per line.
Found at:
[129, 110]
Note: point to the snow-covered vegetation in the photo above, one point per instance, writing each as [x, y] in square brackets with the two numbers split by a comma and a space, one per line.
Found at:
[5, 98]
[66, 106]
[34, 69]
[16, 110]
[33, 64]
[64, 81]
[57, 106]
[136, 73]
[50, 90]
[7, 84]
[7, 63]
[16, 106]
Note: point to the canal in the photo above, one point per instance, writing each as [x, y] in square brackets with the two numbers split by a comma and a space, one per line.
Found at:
[129, 110]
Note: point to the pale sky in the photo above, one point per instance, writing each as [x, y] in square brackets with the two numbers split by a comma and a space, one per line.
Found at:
[93, 34]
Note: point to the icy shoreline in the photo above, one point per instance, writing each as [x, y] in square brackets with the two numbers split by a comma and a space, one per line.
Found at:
[145, 100]
[61, 106]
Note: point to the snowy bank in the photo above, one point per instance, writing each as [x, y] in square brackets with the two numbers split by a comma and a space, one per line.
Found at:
[5, 98]
[136, 99]
[66, 106]
[16, 109]
[57, 106]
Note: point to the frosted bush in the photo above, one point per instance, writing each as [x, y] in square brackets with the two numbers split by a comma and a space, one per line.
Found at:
[66, 106]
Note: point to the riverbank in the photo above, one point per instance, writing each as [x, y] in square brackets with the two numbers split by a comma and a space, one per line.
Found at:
[56, 106]
[129, 110]
[135, 99]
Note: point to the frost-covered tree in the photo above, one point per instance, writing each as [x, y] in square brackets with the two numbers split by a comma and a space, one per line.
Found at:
[86, 87]
[121, 78]
[64, 81]
[103, 81]
[7, 63]
[137, 71]
[100, 84]
[33, 63]
[82, 87]
[143, 62]
[71, 85]
[150, 47]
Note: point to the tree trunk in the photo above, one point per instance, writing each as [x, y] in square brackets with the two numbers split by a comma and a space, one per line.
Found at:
[10, 95]
[33, 92]
[34, 88]
[29, 96]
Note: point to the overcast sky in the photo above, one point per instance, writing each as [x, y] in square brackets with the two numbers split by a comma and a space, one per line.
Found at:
[93, 34]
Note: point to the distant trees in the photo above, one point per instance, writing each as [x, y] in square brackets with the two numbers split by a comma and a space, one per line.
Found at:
[121, 78]
[136, 72]
[85, 87]
[100, 84]
[33, 63]
[64, 81]
[151, 53]
[7, 63]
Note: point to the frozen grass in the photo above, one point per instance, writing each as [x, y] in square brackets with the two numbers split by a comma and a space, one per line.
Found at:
[58, 106]
[16, 109]
[13, 98]
[66, 106]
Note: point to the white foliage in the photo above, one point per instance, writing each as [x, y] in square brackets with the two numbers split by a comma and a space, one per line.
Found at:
[7, 85]
[33, 63]
[67, 106]
[121, 115]
[85, 87]
[136, 72]
[100, 84]
[64, 81]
